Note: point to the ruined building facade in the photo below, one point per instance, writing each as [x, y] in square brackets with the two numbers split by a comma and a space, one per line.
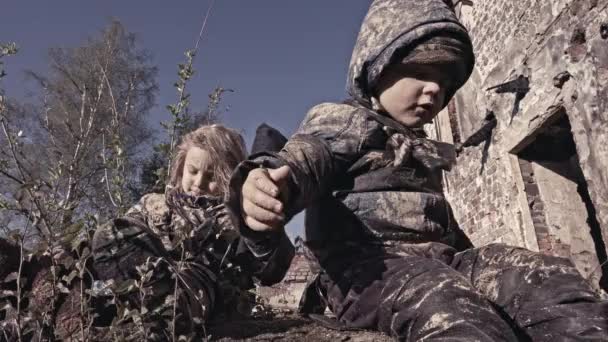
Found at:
[531, 127]
[287, 293]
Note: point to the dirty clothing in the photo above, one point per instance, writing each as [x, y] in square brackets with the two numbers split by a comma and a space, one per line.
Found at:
[415, 275]
[215, 277]
[491, 293]
[378, 225]
[194, 238]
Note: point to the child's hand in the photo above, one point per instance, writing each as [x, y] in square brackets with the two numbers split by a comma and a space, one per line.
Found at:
[263, 198]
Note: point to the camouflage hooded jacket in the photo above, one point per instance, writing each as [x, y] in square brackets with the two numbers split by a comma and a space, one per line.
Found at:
[366, 181]
[171, 236]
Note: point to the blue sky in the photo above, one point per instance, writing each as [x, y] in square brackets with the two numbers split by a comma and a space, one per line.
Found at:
[280, 56]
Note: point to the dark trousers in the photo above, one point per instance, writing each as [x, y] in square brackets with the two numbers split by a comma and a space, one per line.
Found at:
[492, 293]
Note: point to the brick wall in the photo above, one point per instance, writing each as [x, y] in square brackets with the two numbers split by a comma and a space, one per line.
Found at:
[561, 48]
[537, 208]
[299, 271]
[287, 293]
[477, 193]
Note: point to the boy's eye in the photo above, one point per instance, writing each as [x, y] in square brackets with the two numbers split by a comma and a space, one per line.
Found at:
[426, 75]
[425, 72]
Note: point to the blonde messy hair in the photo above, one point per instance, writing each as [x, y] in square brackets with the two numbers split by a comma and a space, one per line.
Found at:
[225, 146]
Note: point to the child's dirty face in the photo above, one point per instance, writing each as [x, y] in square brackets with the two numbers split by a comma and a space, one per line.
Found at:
[197, 176]
[412, 94]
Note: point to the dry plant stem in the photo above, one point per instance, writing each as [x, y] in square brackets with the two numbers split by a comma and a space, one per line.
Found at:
[175, 290]
[105, 169]
[82, 138]
[82, 141]
[85, 316]
[178, 277]
[41, 328]
[182, 89]
[82, 319]
[115, 131]
[19, 290]
[204, 26]
[47, 124]
[54, 285]
[174, 127]
[14, 178]
[19, 272]
[76, 151]
[142, 298]
[51, 134]
[11, 143]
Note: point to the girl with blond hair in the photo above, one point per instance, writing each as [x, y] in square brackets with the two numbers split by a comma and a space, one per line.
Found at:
[187, 239]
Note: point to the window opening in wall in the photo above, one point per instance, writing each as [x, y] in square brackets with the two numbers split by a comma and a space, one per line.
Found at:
[562, 212]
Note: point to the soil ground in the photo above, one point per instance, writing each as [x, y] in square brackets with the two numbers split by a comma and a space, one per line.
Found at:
[287, 328]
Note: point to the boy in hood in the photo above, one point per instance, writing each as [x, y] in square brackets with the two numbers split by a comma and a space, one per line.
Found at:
[377, 224]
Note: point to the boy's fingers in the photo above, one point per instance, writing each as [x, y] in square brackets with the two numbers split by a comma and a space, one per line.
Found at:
[261, 199]
[256, 225]
[261, 215]
[256, 196]
[280, 174]
[261, 208]
[280, 177]
[262, 181]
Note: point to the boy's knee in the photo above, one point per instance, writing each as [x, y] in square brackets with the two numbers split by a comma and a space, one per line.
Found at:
[512, 256]
[428, 284]
[437, 298]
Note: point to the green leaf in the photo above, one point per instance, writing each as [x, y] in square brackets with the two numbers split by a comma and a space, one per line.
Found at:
[173, 109]
[70, 277]
[6, 306]
[11, 277]
[62, 288]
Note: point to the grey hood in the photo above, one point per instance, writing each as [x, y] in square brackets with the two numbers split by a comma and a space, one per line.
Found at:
[391, 28]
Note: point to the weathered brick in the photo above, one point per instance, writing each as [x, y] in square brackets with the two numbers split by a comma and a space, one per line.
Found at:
[537, 32]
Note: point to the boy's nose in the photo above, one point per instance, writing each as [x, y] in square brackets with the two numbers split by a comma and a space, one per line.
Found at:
[431, 88]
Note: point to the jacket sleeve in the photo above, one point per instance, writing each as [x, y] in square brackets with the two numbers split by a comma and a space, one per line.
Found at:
[328, 141]
[266, 257]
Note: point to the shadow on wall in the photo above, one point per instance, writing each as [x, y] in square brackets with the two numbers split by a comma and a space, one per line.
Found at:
[563, 214]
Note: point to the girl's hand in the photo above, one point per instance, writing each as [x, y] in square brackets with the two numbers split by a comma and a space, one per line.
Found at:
[263, 198]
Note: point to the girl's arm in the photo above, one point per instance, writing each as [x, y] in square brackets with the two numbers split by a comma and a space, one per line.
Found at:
[266, 256]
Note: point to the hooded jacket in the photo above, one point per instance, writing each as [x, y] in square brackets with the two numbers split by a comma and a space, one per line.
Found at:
[391, 29]
[359, 197]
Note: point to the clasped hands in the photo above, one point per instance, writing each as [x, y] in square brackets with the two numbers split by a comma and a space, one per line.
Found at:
[263, 198]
